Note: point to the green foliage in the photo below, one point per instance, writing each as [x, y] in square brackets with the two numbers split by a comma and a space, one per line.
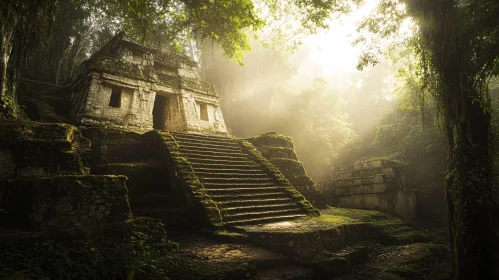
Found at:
[64, 46]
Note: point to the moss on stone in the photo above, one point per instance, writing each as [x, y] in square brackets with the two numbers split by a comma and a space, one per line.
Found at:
[278, 177]
[279, 150]
[272, 139]
[115, 145]
[44, 102]
[167, 147]
[113, 65]
[39, 149]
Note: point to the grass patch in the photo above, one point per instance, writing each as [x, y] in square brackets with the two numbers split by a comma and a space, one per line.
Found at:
[335, 219]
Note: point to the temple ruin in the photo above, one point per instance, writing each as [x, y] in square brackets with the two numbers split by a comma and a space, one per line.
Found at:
[129, 86]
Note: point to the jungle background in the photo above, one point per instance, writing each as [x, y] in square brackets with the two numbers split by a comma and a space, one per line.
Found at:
[386, 110]
[275, 83]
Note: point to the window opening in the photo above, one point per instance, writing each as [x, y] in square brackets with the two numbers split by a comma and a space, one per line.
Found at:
[203, 111]
[115, 100]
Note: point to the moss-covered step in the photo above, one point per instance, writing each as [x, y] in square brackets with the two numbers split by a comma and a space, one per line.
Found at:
[279, 150]
[240, 186]
[260, 197]
[216, 165]
[235, 174]
[210, 149]
[261, 180]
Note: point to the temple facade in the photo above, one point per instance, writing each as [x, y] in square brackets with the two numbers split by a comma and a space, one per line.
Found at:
[129, 86]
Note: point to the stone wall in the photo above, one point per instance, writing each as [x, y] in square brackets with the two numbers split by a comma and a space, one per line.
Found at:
[376, 185]
[54, 203]
[137, 100]
[43, 181]
[279, 150]
[215, 122]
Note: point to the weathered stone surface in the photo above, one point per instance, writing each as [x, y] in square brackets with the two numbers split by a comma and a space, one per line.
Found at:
[151, 89]
[401, 202]
[29, 149]
[119, 146]
[366, 165]
[62, 202]
[360, 181]
[377, 185]
[362, 189]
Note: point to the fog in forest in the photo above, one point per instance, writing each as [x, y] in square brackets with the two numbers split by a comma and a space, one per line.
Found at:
[321, 100]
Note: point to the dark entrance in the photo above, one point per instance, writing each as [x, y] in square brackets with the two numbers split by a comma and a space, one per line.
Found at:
[159, 112]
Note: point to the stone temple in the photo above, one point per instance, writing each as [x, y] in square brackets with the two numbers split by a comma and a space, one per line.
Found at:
[129, 86]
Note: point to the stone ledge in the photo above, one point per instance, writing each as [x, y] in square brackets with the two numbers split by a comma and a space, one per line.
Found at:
[360, 190]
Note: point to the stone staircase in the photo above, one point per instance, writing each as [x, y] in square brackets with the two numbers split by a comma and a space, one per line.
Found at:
[242, 190]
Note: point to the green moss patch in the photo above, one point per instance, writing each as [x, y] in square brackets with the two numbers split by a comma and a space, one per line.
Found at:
[185, 178]
[278, 177]
[39, 149]
[272, 139]
[279, 150]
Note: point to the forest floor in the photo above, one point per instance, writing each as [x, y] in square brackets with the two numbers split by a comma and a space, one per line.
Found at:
[341, 244]
[396, 251]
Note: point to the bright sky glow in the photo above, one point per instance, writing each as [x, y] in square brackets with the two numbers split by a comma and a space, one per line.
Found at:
[330, 52]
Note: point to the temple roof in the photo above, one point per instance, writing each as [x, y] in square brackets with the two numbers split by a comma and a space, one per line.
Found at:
[109, 59]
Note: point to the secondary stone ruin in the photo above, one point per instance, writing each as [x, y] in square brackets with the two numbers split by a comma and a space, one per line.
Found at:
[376, 184]
[129, 86]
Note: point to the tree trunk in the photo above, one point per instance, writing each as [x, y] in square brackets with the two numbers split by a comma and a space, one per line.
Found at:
[471, 192]
[470, 188]
[472, 206]
[8, 104]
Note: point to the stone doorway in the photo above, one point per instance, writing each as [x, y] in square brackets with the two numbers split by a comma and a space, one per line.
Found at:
[159, 112]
